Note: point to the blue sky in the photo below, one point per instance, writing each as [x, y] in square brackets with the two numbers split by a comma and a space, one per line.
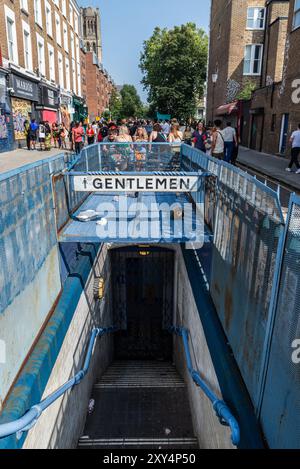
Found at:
[127, 23]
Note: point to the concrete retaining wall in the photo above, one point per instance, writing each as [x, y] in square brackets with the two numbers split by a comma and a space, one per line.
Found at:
[29, 259]
[210, 434]
[61, 425]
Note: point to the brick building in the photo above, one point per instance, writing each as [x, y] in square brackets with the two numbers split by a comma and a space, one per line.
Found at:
[41, 53]
[275, 107]
[99, 85]
[235, 54]
[91, 30]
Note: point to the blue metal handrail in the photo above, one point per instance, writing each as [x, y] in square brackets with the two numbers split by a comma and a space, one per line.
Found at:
[222, 410]
[29, 419]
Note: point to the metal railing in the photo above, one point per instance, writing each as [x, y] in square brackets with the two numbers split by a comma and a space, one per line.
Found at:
[223, 412]
[129, 157]
[29, 419]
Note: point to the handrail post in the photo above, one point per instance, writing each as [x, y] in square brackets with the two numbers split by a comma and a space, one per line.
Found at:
[223, 412]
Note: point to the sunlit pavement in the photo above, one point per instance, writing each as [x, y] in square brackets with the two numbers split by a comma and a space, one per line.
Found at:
[14, 159]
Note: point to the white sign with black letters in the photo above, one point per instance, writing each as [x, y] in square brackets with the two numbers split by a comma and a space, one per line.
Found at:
[151, 183]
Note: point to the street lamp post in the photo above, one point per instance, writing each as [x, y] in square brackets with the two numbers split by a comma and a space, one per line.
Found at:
[214, 78]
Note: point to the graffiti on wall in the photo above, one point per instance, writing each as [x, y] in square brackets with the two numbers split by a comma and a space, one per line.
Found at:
[21, 112]
[65, 116]
[3, 127]
[233, 87]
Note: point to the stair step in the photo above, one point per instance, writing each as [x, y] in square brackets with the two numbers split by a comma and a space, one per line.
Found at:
[136, 374]
[142, 443]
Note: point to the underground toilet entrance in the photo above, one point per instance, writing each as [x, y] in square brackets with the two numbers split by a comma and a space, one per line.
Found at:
[143, 292]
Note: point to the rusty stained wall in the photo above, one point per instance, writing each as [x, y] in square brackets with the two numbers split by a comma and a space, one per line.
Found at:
[61, 425]
[210, 434]
[29, 262]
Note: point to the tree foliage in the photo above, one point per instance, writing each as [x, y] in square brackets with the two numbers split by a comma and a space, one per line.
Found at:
[131, 102]
[115, 105]
[173, 63]
[247, 90]
[126, 103]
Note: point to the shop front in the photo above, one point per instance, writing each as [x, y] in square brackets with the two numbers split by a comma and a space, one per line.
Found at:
[24, 96]
[6, 122]
[80, 110]
[66, 109]
[49, 104]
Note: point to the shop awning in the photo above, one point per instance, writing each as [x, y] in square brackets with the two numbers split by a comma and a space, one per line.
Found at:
[227, 109]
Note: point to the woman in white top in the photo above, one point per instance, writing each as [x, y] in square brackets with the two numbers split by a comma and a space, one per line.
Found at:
[175, 136]
[218, 141]
[123, 135]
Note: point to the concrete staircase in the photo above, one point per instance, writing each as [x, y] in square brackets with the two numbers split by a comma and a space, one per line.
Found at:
[139, 404]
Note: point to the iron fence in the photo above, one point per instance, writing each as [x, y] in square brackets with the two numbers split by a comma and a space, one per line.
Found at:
[247, 222]
[280, 402]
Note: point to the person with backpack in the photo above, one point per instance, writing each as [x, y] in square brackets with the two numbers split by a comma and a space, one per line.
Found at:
[33, 134]
[230, 142]
[218, 141]
[42, 135]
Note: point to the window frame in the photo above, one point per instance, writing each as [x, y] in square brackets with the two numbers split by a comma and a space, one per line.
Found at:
[48, 8]
[52, 74]
[26, 32]
[40, 40]
[68, 77]
[58, 37]
[256, 28]
[252, 60]
[296, 13]
[38, 17]
[65, 37]
[12, 44]
[61, 78]
[24, 5]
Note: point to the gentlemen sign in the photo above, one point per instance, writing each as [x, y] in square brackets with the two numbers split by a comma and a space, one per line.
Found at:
[123, 183]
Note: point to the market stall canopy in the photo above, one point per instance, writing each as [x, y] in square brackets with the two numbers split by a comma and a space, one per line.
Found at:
[227, 109]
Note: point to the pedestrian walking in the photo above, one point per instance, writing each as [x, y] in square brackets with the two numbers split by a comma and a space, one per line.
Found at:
[230, 141]
[175, 135]
[42, 135]
[55, 134]
[47, 136]
[217, 141]
[188, 135]
[27, 133]
[33, 134]
[200, 137]
[77, 137]
[90, 133]
[295, 141]
[63, 135]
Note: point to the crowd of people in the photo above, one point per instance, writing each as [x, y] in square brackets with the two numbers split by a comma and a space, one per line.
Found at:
[212, 140]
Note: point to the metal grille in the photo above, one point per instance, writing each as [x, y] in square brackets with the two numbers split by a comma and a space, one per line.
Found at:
[247, 222]
[131, 157]
[280, 415]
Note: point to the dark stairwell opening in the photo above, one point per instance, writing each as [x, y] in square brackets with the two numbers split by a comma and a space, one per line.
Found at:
[141, 401]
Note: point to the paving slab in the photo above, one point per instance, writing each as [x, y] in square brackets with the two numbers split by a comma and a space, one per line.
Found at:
[17, 158]
[270, 165]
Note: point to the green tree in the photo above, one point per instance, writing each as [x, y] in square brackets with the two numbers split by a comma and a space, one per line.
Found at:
[247, 90]
[115, 105]
[173, 63]
[131, 102]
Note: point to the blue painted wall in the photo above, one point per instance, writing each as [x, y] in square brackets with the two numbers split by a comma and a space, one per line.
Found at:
[29, 260]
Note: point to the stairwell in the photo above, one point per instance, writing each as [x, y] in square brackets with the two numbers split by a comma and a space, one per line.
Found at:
[139, 405]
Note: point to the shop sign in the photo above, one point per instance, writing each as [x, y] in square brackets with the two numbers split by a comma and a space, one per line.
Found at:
[23, 88]
[65, 100]
[50, 97]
